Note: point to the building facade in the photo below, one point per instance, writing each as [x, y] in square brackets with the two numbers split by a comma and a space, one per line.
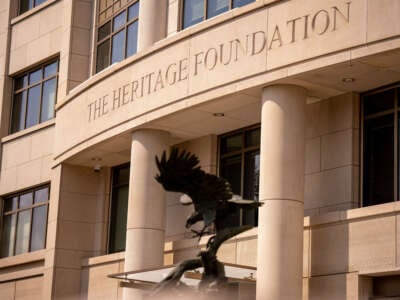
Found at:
[295, 102]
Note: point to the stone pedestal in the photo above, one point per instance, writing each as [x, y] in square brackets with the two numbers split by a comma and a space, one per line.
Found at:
[280, 228]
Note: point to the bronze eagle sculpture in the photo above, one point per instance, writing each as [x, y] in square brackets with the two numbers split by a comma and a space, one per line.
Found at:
[214, 204]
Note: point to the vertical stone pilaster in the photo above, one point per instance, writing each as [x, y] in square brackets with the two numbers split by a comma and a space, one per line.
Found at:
[152, 22]
[146, 206]
[280, 237]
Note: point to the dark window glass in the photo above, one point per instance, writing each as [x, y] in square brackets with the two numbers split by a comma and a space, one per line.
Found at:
[25, 200]
[24, 225]
[21, 82]
[24, 5]
[238, 3]
[51, 69]
[8, 235]
[104, 31]
[231, 143]
[240, 165]
[251, 184]
[119, 21]
[231, 170]
[379, 102]
[18, 114]
[23, 232]
[35, 77]
[131, 42]
[133, 11]
[378, 160]
[118, 47]
[119, 42]
[37, 2]
[32, 116]
[119, 208]
[41, 195]
[39, 224]
[216, 7]
[253, 138]
[34, 101]
[193, 12]
[48, 99]
[103, 55]
[10, 204]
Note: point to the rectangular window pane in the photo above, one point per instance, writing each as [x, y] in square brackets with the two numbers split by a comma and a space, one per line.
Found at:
[104, 31]
[378, 102]
[8, 235]
[216, 7]
[37, 2]
[48, 99]
[133, 11]
[119, 21]
[253, 138]
[21, 82]
[38, 236]
[231, 143]
[251, 180]
[10, 204]
[41, 195]
[193, 12]
[32, 114]
[51, 69]
[18, 114]
[103, 56]
[35, 76]
[118, 47]
[131, 42]
[25, 200]
[238, 3]
[119, 210]
[121, 176]
[378, 160]
[23, 231]
[24, 5]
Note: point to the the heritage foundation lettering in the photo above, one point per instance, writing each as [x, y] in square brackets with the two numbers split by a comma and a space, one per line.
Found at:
[223, 54]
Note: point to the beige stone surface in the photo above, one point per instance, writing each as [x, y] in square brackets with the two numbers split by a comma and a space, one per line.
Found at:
[323, 35]
[227, 252]
[29, 289]
[66, 283]
[376, 10]
[99, 286]
[313, 155]
[173, 17]
[334, 287]
[337, 149]
[329, 249]
[247, 252]
[7, 290]
[372, 244]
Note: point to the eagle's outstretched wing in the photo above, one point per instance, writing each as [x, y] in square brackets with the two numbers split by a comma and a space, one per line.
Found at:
[179, 172]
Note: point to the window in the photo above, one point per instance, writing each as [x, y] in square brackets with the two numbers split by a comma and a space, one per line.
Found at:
[381, 122]
[117, 32]
[119, 209]
[24, 221]
[195, 11]
[239, 163]
[25, 5]
[34, 97]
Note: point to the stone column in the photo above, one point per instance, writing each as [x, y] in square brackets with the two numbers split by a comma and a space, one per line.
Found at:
[152, 22]
[280, 227]
[146, 206]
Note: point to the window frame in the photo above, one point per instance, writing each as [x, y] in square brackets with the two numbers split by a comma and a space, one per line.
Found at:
[41, 82]
[16, 212]
[242, 152]
[205, 10]
[30, 2]
[109, 37]
[111, 198]
[396, 131]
